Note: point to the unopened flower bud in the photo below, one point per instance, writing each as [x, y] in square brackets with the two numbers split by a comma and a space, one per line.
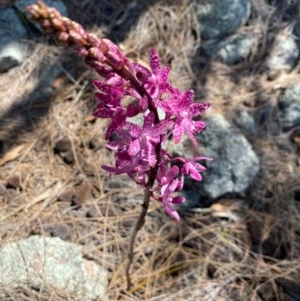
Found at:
[45, 24]
[63, 38]
[77, 39]
[113, 54]
[100, 68]
[34, 11]
[78, 28]
[96, 54]
[40, 10]
[94, 40]
[58, 24]
[103, 46]
[81, 51]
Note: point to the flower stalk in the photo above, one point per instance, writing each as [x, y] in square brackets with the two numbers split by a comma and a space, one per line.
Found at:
[139, 149]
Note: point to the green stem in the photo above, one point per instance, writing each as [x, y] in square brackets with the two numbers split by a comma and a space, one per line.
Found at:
[138, 225]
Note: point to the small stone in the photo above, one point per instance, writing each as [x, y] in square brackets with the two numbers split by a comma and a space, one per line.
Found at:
[233, 49]
[221, 18]
[69, 157]
[266, 291]
[62, 145]
[14, 182]
[2, 189]
[95, 143]
[11, 54]
[107, 210]
[289, 108]
[244, 121]
[83, 193]
[66, 196]
[290, 287]
[59, 230]
[92, 212]
[10, 194]
[284, 54]
[89, 169]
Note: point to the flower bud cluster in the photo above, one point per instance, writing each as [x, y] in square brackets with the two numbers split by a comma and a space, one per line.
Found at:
[71, 34]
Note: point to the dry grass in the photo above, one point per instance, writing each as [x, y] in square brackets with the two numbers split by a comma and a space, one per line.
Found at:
[64, 192]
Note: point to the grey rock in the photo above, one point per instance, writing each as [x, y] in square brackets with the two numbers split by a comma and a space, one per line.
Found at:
[235, 163]
[245, 122]
[12, 53]
[12, 30]
[221, 18]
[289, 108]
[284, 54]
[38, 261]
[58, 4]
[233, 49]
[11, 23]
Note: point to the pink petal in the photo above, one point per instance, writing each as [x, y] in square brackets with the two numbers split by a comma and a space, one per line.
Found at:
[200, 167]
[178, 200]
[187, 98]
[171, 212]
[195, 174]
[192, 137]
[154, 61]
[198, 108]
[177, 133]
[133, 129]
[111, 170]
[102, 113]
[162, 126]
[148, 121]
[134, 147]
[152, 160]
[198, 126]
[142, 73]
[164, 74]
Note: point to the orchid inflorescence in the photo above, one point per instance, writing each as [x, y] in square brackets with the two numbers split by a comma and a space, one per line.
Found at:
[167, 112]
[139, 149]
